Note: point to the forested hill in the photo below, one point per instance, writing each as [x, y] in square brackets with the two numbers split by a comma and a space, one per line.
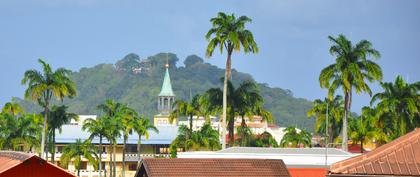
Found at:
[137, 82]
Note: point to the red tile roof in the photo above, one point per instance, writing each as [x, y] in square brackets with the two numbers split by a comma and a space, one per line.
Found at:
[399, 157]
[212, 167]
[29, 165]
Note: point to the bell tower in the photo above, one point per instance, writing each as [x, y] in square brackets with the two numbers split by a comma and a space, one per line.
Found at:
[166, 98]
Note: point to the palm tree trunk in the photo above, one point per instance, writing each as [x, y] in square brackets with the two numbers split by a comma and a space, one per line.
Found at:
[191, 122]
[138, 151]
[44, 129]
[100, 156]
[243, 125]
[231, 128]
[110, 159]
[53, 147]
[344, 132]
[330, 134]
[47, 141]
[361, 145]
[227, 75]
[123, 157]
[115, 160]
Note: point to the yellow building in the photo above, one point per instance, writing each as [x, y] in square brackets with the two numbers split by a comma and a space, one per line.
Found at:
[156, 146]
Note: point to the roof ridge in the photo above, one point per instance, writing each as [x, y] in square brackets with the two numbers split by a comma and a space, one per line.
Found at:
[16, 155]
[391, 147]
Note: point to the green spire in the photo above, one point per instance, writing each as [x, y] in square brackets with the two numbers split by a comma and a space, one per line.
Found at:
[166, 86]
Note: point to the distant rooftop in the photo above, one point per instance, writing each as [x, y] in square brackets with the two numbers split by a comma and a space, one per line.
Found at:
[159, 167]
[295, 151]
[292, 157]
[70, 133]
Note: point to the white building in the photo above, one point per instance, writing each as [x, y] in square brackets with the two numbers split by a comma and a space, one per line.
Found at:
[292, 157]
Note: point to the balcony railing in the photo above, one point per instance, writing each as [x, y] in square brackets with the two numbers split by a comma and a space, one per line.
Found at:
[133, 156]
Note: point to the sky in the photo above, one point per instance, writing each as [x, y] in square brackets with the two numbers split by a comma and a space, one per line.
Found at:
[291, 34]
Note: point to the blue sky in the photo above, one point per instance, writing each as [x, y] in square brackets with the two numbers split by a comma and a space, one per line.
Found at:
[292, 36]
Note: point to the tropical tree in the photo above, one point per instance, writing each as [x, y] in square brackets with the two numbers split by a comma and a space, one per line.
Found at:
[362, 128]
[248, 103]
[204, 139]
[264, 139]
[292, 138]
[142, 126]
[76, 151]
[229, 33]
[97, 128]
[20, 133]
[398, 107]
[350, 71]
[43, 86]
[112, 116]
[243, 101]
[58, 117]
[191, 109]
[127, 116]
[12, 108]
[335, 116]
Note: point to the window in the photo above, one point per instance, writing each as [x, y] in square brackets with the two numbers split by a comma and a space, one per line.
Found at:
[164, 150]
[83, 165]
[59, 149]
[132, 148]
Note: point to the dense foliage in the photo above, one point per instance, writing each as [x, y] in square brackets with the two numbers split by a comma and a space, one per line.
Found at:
[107, 81]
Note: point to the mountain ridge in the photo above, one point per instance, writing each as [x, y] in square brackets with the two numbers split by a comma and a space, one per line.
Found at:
[137, 82]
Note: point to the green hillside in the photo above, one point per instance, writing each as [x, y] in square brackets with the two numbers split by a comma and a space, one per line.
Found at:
[137, 82]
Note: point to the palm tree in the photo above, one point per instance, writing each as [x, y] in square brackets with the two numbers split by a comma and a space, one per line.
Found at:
[335, 113]
[12, 108]
[42, 87]
[294, 139]
[113, 111]
[21, 132]
[244, 100]
[204, 139]
[128, 120]
[230, 34]
[58, 117]
[187, 109]
[362, 129]
[264, 140]
[305, 138]
[398, 106]
[350, 71]
[75, 152]
[142, 126]
[290, 138]
[97, 128]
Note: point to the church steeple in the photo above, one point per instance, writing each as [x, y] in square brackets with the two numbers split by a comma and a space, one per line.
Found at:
[166, 86]
[166, 96]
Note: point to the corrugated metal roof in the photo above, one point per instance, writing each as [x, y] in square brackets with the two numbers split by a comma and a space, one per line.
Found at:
[399, 157]
[212, 167]
[306, 151]
[70, 133]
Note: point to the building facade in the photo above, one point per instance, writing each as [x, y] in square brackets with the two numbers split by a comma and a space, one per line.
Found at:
[157, 145]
